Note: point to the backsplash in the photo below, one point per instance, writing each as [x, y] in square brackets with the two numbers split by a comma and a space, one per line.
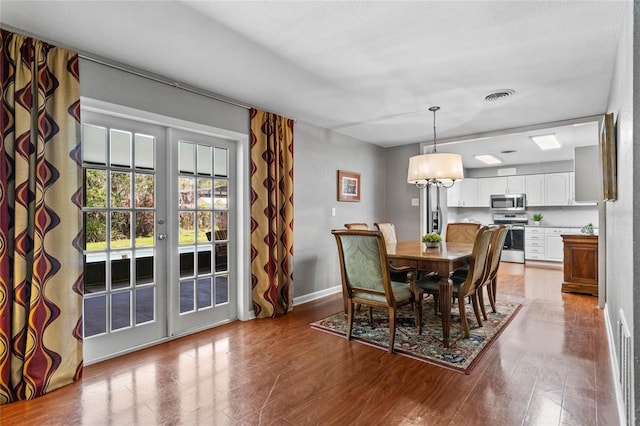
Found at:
[577, 216]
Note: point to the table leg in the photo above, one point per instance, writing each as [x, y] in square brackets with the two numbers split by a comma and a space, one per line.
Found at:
[446, 293]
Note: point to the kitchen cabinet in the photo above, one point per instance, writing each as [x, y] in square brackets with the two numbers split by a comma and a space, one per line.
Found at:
[534, 189]
[516, 185]
[499, 185]
[556, 189]
[463, 193]
[580, 264]
[534, 243]
[545, 189]
[545, 243]
[553, 249]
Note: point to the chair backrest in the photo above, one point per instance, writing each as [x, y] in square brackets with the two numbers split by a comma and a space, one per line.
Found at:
[461, 232]
[478, 263]
[388, 230]
[356, 225]
[363, 263]
[495, 252]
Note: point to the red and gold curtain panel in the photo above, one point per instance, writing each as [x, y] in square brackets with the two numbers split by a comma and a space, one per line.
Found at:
[271, 213]
[40, 218]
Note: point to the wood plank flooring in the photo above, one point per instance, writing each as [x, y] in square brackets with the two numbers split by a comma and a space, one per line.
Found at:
[549, 367]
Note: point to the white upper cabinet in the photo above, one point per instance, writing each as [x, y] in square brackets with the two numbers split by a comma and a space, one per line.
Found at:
[534, 189]
[547, 189]
[469, 190]
[463, 193]
[556, 188]
[516, 185]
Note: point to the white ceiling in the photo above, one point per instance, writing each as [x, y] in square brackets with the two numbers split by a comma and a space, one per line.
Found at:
[369, 70]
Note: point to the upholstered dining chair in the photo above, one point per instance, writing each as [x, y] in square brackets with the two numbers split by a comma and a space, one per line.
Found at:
[356, 225]
[467, 286]
[461, 232]
[366, 279]
[493, 264]
[388, 230]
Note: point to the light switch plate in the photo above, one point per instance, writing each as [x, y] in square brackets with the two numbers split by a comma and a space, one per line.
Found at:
[415, 201]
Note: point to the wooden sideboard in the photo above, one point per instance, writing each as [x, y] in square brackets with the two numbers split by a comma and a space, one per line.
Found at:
[580, 264]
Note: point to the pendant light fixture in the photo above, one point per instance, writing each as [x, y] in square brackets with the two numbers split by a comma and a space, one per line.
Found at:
[441, 169]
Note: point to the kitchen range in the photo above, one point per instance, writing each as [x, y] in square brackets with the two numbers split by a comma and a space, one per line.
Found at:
[513, 250]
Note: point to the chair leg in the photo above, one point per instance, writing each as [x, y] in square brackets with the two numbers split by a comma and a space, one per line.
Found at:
[481, 300]
[349, 319]
[476, 309]
[463, 316]
[392, 328]
[418, 311]
[492, 293]
[370, 315]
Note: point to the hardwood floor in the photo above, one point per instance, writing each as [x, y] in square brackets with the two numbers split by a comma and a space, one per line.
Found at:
[549, 367]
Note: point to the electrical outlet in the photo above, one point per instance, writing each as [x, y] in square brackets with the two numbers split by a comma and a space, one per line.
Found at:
[415, 202]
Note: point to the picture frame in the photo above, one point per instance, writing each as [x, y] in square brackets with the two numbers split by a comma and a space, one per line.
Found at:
[348, 186]
[608, 158]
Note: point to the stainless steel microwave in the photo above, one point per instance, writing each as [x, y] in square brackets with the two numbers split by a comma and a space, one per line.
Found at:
[508, 202]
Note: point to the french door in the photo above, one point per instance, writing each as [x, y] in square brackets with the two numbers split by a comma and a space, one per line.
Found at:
[158, 227]
[203, 224]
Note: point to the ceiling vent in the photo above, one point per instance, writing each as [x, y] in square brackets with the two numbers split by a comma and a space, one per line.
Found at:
[499, 94]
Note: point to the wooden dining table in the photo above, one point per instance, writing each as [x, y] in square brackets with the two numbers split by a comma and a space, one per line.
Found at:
[442, 260]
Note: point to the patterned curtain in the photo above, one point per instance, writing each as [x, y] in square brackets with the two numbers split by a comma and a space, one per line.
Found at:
[40, 218]
[271, 213]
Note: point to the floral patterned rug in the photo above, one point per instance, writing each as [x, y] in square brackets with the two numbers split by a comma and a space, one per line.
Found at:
[462, 354]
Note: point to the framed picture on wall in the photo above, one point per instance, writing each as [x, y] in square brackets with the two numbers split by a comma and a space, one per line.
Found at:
[348, 186]
[608, 159]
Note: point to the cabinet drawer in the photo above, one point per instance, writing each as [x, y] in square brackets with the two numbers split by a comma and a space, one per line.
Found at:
[534, 256]
[535, 243]
[556, 231]
[538, 250]
[533, 231]
[532, 237]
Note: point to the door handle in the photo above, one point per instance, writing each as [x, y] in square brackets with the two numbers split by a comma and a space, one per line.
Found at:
[162, 237]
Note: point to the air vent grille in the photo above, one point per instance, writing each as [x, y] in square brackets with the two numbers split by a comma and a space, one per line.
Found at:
[499, 94]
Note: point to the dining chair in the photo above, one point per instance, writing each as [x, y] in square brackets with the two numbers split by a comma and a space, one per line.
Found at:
[490, 280]
[461, 232]
[465, 287]
[366, 279]
[388, 230]
[356, 225]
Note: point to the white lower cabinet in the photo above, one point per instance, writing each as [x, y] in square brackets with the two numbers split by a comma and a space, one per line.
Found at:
[542, 243]
[534, 243]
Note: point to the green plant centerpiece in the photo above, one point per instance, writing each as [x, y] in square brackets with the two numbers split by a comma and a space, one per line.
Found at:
[537, 217]
[431, 239]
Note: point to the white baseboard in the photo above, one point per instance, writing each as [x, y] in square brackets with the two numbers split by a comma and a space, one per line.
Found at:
[317, 295]
[614, 366]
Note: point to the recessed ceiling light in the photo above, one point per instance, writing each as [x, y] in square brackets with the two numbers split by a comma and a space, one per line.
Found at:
[488, 159]
[546, 141]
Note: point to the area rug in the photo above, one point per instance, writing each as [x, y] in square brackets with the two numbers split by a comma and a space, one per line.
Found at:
[462, 354]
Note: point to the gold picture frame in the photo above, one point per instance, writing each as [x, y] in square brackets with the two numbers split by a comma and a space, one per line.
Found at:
[608, 158]
[348, 186]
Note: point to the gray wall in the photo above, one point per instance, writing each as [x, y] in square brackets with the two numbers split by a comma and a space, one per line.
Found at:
[318, 155]
[117, 87]
[399, 193]
[622, 241]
